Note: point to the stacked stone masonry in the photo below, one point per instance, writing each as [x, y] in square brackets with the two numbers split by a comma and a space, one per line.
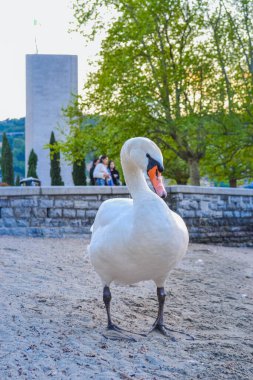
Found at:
[212, 215]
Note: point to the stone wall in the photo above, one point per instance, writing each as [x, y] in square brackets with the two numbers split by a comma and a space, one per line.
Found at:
[213, 215]
[52, 211]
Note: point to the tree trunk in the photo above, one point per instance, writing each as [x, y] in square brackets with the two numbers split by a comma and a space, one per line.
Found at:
[194, 172]
[233, 182]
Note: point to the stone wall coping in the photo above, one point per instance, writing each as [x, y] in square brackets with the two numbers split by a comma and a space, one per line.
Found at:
[117, 190]
[61, 190]
[9, 191]
[210, 190]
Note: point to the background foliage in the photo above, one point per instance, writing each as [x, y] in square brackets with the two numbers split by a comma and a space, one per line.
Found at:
[177, 71]
[7, 162]
[55, 168]
[15, 131]
[32, 165]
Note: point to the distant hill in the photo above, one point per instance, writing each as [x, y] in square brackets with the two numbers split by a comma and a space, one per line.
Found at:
[15, 131]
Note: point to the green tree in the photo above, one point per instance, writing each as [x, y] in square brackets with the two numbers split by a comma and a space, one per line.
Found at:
[19, 156]
[32, 165]
[175, 168]
[151, 76]
[16, 141]
[17, 180]
[167, 70]
[7, 162]
[229, 156]
[55, 169]
[239, 38]
[78, 173]
[230, 150]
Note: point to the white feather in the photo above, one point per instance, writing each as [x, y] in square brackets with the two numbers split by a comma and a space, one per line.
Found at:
[141, 238]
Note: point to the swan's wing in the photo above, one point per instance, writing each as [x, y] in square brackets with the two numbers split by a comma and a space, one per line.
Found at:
[110, 236]
[110, 211]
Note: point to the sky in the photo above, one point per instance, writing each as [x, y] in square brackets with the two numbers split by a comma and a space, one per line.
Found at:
[22, 22]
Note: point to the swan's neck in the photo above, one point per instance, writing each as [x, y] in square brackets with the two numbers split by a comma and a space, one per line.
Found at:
[136, 181]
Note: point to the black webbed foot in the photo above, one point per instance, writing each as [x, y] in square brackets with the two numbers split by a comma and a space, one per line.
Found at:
[116, 333]
[162, 329]
[170, 333]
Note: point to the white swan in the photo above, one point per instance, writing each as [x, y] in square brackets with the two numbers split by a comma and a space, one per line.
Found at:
[141, 238]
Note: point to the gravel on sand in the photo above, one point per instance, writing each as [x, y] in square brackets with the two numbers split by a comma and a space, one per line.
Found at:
[53, 321]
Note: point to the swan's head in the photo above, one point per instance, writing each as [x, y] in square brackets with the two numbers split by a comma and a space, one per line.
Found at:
[145, 154]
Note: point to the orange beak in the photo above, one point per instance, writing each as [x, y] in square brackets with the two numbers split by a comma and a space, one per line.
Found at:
[156, 179]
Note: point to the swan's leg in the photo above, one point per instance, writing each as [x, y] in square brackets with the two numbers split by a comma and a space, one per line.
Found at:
[107, 300]
[111, 326]
[158, 325]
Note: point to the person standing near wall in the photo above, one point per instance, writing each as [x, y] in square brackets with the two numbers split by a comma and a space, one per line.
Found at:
[114, 173]
[94, 164]
[101, 174]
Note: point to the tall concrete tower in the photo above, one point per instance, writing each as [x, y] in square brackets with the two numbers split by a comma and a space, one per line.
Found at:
[51, 81]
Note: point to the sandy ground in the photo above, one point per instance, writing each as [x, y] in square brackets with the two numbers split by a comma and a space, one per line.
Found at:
[52, 319]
